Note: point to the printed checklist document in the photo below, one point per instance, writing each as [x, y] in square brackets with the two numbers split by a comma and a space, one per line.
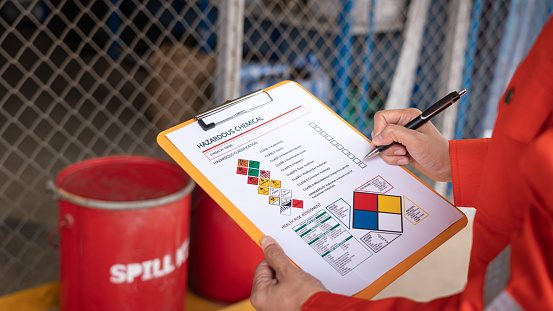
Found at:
[293, 169]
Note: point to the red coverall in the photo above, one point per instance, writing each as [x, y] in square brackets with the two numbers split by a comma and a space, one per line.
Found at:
[509, 179]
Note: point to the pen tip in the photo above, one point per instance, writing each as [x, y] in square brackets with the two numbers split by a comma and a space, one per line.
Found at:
[462, 92]
[371, 153]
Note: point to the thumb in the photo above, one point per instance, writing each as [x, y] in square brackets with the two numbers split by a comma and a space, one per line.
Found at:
[263, 276]
[275, 256]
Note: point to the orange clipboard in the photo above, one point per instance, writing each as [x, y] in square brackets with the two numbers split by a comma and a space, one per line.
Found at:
[255, 233]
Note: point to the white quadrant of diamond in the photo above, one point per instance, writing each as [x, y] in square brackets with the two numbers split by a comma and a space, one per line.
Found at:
[390, 222]
[275, 192]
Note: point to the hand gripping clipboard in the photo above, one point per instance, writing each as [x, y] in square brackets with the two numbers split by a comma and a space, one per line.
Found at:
[338, 196]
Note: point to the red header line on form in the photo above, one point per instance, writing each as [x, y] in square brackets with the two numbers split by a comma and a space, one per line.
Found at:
[273, 119]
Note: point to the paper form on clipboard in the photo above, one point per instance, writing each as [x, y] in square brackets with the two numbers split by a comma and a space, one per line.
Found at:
[293, 169]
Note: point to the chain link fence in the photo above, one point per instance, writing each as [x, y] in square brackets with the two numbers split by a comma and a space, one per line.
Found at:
[83, 78]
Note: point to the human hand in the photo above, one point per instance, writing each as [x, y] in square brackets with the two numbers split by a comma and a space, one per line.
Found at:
[425, 147]
[278, 284]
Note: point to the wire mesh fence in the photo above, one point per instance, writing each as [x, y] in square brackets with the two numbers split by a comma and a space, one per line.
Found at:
[84, 78]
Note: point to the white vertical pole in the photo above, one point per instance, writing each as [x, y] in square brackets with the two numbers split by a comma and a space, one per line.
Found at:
[404, 77]
[452, 74]
[230, 33]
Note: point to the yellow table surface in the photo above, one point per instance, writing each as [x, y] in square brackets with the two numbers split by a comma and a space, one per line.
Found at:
[46, 298]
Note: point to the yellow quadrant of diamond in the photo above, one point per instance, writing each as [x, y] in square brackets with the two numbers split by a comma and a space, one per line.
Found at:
[263, 190]
[389, 204]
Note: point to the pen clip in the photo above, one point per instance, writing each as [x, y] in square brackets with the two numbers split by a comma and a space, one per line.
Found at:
[442, 104]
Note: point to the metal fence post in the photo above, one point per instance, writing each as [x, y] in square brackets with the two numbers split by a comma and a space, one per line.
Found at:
[454, 61]
[230, 32]
[404, 77]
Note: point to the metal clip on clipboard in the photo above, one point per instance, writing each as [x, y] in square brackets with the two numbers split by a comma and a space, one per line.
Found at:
[227, 105]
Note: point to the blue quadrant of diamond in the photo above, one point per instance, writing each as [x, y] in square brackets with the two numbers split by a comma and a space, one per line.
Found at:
[365, 220]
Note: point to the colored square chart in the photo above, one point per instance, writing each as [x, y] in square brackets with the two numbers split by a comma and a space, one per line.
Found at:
[380, 212]
[278, 197]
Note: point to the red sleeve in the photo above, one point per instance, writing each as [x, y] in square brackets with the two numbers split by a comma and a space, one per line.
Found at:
[532, 282]
[467, 164]
[328, 301]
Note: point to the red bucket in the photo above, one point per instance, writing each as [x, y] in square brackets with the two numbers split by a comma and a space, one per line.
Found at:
[223, 257]
[124, 234]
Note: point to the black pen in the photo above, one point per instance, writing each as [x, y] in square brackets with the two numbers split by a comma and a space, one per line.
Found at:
[428, 114]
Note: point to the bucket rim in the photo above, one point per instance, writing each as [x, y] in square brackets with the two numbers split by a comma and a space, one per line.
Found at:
[61, 193]
[58, 192]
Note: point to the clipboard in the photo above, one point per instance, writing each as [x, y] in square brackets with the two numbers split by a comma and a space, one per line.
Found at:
[422, 221]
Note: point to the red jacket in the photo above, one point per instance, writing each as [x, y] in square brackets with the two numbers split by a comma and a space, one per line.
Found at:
[509, 179]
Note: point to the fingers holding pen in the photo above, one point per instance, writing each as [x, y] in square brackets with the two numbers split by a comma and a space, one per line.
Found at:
[396, 154]
[418, 141]
[389, 128]
[425, 148]
[396, 116]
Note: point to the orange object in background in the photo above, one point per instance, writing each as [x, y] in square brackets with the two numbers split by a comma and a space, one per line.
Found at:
[124, 234]
[223, 257]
